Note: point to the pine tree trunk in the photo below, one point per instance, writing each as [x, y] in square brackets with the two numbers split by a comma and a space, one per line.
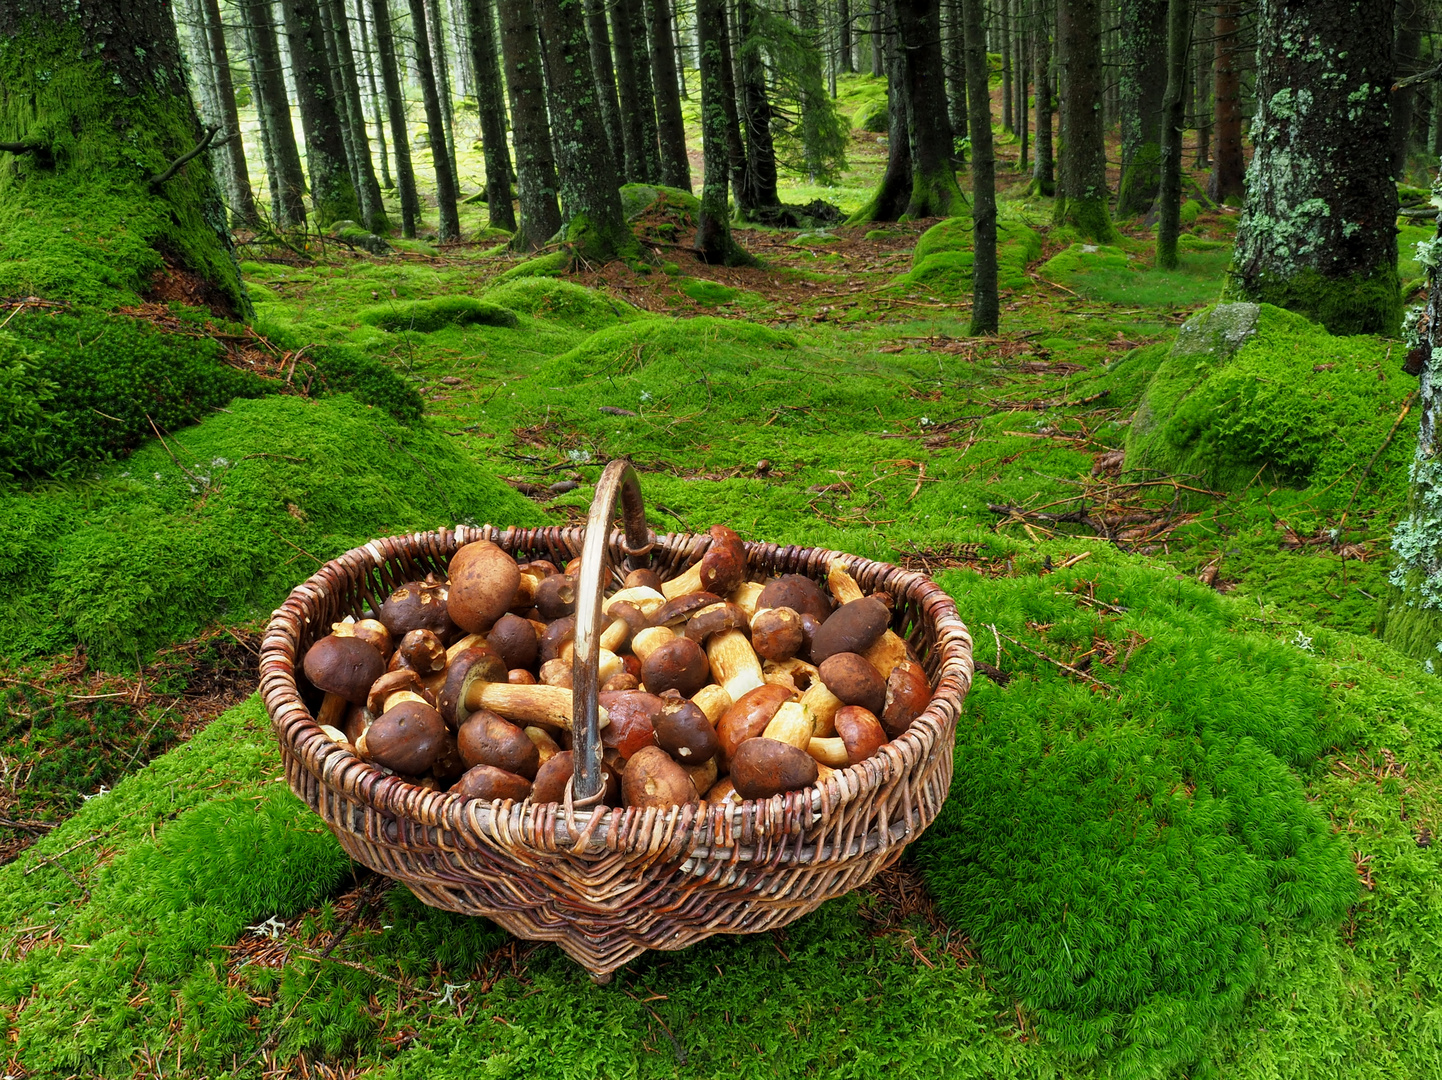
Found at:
[675, 165]
[1082, 187]
[875, 30]
[1228, 167]
[714, 243]
[605, 72]
[396, 111]
[530, 128]
[441, 72]
[272, 103]
[810, 107]
[1043, 173]
[590, 189]
[1406, 48]
[843, 36]
[338, 97]
[97, 91]
[954, 37]
[1003, 43]
[645, 88]
[894, 192]
[1169, 195]
[1143, 85]
[1020, 37]
[460, 48]
[1201, 92]
[933, 179]
[759, 190]
[731, 104]
[370, 70]
[448, 220]
[486, 74]
[1315, 238]
[372, 207]
[633, 128]
[332, 192]
[985, 304]
[242, 201]
[1434, 133]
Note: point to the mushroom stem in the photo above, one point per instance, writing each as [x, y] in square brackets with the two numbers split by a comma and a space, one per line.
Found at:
[793, 724]
[745, 597]
[734, 662]
[649, 640]
[548, 706]
[332, 711]
[713, 700]
[688, 582]
[823, 704]
[829, 752]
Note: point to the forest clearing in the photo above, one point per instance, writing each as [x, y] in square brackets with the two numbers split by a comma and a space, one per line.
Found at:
[1179, 502]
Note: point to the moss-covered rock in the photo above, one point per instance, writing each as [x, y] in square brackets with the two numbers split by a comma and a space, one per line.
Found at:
[561, 301]
[425, 316]
[942, 259]
[637, 199]
[553, 264]
[1251, 390]
[874, 117]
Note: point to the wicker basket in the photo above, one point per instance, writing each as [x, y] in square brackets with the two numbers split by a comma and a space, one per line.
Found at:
[606, 884]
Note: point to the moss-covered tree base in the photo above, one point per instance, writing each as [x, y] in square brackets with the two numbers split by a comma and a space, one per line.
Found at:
[1356, 304]
[1413, 631]
[1140, 181]
[81, 221]
[1090, 217]
[934, 195]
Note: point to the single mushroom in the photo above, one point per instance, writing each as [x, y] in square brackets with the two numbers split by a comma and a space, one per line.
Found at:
[371, 631]
[556, 597]
[633, 715]
[684, 732]
[776, 633]
[419, 605]
[627, 620]
[748, 717]
[549, 706]
[402, 680]
[728, 649]
[557, 636]
[477, 663]
[422, 652]
[514, 640]
[490, 784]
[407, 738]
[861, 733]
[679, 664]
[483, 585]
[488, 739]
[651, 778]
[644, 577]
[720, 569]
[854, 627]
[799, 593]
[854, 681]
[343, 668]
[675, 613]
[908, 693]
[764, 767]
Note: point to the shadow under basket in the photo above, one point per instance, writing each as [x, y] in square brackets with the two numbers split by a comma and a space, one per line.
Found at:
[606, 884]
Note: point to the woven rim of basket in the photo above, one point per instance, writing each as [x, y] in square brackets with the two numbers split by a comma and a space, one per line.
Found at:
[549, 826]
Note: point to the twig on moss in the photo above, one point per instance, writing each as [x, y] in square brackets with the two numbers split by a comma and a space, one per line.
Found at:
[178, 465]
[1063, 666]
[179, 163]
[1406, 408]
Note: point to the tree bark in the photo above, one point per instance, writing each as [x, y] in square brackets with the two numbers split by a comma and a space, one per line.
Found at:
[628, 61]
[1143, 85]
[1169, 195]
[448, 220]
[1003, 44]
[714, 243]
[486, 76]
[731, 105]
[1228, 167]
[100, 89]
[955, 37]
[1019, 38]
[843, 37]
[590, 190]
[875, 31]
[372, 207]
[530, 127]
[1315, 238]
[985, 304]
[396, 111]
[1082, 189]
[1043, 172]
[242, 201]
[441, 72]
[645, 88]
[1406, 49]
[894, 193]
[933, 179]
[1201, 103]
[605, 72]
[376, 113]
[758, 191]
[675, 165]
[272, 103]
[332, 192]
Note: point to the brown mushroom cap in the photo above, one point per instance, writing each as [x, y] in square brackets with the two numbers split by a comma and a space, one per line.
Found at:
[407, 739]
[418, 605]
[635, 619]
[854, 681]
[861, 732]
[633, 715]
[520, 677]
[643, 578]
[422, 652]
[683, 731]
[723, 567]
[799, 593]
[776, 633]
[624, 681]
[487, 783]
[715, 619]
[907, 695]
[556, 596]
[854, 627]
[555, 638]
[343, 665]
[448, 765]
[762, 768]
[748, 716]
[375, 633]
[674, 612]
[680, 665]
[479, 663]
[550, 786]
[484, 580]
[393, 682]
[488, 739]
[514, 639]
[653, 779]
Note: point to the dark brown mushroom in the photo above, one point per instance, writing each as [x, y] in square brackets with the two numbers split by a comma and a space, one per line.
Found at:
[748, 717]
[343, 668]
[723, 567]
[484, 580]
[557, 636]
[675, 612]
[419, 605]
[762, 768]
[854, 628]
[908, 693]
[715, 619]
[401, 680]
[776, 633]
[653, 779]
[487, 739]
[799, 593]
[514, 639]
[860, 731]
[487, 783]
[422, 652]
[407, 738]
[683, 731]
[679, 664]
[556, 597]
[643, 578]
[854, 681]
[479, 662]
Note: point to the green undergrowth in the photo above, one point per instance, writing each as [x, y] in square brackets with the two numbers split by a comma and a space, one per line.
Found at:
[1115, 276]
[1225, 405]
[556, 300]
[425, 316]
[254, 498]
[863, 99]
[943, 256]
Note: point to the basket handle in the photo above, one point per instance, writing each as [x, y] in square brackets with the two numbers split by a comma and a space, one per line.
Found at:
[619, 478]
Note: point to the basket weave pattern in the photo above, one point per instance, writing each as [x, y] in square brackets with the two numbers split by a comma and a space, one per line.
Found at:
[609, 883]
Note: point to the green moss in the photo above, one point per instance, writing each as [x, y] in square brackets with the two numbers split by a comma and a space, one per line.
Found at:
[151, 552]
[1114, 275]
[942, 259]
[638, 199]
[874, 117]
[561, 301]
[1225, 406]
[425, 316]
[86, 226]
[1138, 187]
[1090, 217]
[709, 292]
[1352, 305]
[1190, 211]
[553, 265]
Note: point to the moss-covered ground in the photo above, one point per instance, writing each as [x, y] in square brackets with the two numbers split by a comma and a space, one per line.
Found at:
[1191, 829]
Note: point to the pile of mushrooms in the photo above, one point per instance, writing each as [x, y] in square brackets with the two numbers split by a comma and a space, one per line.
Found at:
[712, 686]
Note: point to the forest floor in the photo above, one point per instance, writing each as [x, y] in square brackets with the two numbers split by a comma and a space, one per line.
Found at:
[1191, 828]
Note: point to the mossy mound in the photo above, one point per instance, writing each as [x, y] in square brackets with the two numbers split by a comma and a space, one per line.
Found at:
[638, 199]
[874, 117]
[1251, 389]
[553, 265]
[561, 301]
[1115, 275]
[942, 259]
[1116, 856]
[426, 316]
[254, 497]
[709, 292]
